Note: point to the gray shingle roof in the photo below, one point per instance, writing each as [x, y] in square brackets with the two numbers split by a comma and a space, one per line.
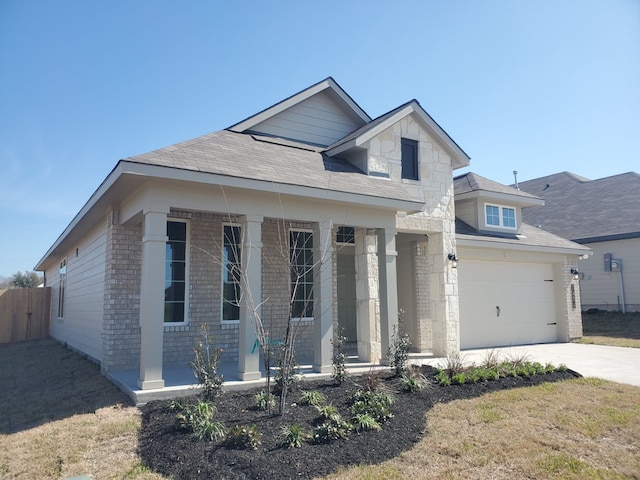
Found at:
[472, 182]
[273, 160]
[579, 208]
[528, 236]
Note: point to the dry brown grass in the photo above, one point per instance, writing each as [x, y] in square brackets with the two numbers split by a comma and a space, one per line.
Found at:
[60, 418]
[611, 328]
[582, 429]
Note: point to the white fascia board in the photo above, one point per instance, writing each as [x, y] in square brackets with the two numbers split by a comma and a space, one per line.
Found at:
[466, 241]
[155, 171]
[260, 117]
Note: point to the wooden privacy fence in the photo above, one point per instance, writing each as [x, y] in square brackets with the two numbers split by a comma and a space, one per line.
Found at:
[24, 314]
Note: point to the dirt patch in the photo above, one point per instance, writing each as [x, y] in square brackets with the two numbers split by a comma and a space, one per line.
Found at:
[166, 449]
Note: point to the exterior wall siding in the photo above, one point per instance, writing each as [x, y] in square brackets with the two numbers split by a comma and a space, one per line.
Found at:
[601, 289]
[81, 327]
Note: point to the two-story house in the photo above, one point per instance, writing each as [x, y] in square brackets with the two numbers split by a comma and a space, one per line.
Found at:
[313, 215]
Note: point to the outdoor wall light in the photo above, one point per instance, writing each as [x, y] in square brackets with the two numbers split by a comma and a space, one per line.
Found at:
[575, 273]
[453, 259]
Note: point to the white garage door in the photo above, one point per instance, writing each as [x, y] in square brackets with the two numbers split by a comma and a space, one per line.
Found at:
[506, 303]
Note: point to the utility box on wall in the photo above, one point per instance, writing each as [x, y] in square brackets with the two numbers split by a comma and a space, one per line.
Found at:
[607, 262]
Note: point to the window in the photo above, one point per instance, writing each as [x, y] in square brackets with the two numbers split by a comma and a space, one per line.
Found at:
[62, 287]
[175, 277]
[301, 257]
[409, 159]
[346, 235]
[499, 216]
[231, 269]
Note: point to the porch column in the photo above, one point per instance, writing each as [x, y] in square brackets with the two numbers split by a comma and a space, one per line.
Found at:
[367, 299]
[323, 305]
[251, 305]
[443, 289]
[388, 288]
[152, 277]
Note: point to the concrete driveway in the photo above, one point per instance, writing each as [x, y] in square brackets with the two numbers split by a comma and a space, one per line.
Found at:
[618, 364]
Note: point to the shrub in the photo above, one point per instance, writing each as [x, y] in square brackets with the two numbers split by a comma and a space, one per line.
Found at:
[398, 352]
[339, 358]
[264, 401]
[372, 381]
[333, 428]
[205, 366]
[376, 404]
[364, 421]
[454, 364]
[327, 411]
[243, 436]
[491, 359]
[413, 381]
[458, 379]
[292, 436]
[312, 397]
[199, 419]
[443, 378]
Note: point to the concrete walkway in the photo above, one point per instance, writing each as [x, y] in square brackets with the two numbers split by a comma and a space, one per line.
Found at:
[618, 364]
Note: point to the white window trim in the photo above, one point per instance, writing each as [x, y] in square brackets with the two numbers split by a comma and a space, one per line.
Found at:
[500, 216]
[302, 319]
[187, 260]
[228, 224]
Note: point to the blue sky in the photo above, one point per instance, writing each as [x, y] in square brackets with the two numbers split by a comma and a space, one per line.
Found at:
[534, 86]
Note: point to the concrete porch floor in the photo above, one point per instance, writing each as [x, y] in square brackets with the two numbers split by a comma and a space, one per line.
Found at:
[179, 381]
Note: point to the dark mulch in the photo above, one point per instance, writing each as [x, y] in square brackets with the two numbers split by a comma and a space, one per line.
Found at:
[173, 452]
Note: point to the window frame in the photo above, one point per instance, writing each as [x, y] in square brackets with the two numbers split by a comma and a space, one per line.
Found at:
[185, 319]
[501, 216]
[62, 287]
[312, 283]
[414, 159]
[224, 267]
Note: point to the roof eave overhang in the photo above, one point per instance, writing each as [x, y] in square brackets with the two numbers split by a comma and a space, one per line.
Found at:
[512, 199]
[479, 242]
[130, 174]
[459, 157]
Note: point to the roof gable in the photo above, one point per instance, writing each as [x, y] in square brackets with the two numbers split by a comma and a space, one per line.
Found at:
[359, 137]
[472, 185]
[320, 115]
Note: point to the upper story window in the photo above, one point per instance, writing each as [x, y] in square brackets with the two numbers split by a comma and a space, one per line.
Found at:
[346, 235]
[409, 159]
[301, 257]
[175, 276]
[231, 270]
[499, 216]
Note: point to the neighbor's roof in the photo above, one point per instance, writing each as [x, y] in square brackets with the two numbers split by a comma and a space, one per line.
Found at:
[269, 159]
[471, 185]
[529, 237]
[586, 210]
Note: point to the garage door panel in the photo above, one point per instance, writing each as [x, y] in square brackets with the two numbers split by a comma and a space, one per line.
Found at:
[524, 295]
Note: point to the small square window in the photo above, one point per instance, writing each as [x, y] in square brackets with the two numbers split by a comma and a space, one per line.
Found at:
[409, 160]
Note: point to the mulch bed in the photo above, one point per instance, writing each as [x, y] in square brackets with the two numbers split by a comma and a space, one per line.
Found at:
[172, 452]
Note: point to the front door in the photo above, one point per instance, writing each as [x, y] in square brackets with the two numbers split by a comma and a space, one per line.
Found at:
[347, 295]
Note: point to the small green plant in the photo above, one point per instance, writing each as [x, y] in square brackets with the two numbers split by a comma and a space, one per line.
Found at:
[413, 381]
[264, 401]
[443, 378]
[364, 421]
[376, 404]
[243, 436]
[312, 397]
[562, 368]
[199, 419]
[458, 379]
[205, 365]
[372, 381]
[333, 428]
[398, 352]
[339, 358]
[327, 411]
[292, 436]
[549, 368]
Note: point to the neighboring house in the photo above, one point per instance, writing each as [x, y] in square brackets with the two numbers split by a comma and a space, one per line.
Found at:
[366, 206]
[604, 215]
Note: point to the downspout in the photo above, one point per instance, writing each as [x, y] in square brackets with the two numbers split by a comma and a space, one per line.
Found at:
[624, 308]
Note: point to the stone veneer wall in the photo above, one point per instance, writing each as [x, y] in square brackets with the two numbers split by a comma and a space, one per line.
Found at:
[121, 319]
[569, 308]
